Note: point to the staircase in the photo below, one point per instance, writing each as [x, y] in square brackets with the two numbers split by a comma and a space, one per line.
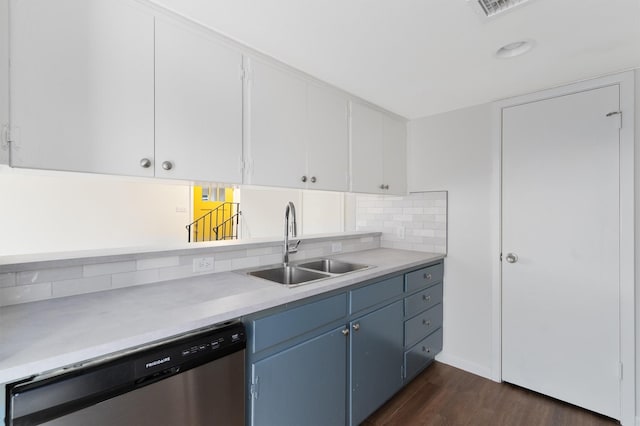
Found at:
[221, 223]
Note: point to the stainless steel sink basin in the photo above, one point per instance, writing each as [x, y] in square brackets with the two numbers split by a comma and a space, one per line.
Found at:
[288, 275]
[332, 266]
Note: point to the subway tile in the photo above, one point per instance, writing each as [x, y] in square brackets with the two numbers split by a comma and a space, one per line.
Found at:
[48, 275]
[229, 255]
[261, 251]
[108, 268]
[245, 262]
[222, 265]
[188, 260]
[7, 279]
[80, 286]
[441, 218]
[24, 293]
[412, 210]
[157, 262]
[127, 279]
[270, 259]
[177, 272]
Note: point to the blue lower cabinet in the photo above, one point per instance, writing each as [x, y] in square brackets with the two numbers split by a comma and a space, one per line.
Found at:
[303, 385]
[376, 360]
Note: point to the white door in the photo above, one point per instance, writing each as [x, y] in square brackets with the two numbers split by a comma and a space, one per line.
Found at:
[277, 127]
[327, 139]
[366, 149]
[198, 106]
[560, 217]
[82, 86]
[394, 154]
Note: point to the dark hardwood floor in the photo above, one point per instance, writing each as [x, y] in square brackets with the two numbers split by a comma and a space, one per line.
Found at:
[444, 395]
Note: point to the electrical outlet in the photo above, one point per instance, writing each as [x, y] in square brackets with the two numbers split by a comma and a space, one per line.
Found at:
[203, 264]
[336, 247]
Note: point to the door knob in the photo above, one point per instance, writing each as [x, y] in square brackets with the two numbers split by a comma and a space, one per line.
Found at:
[145, 163]
[511, 258]
[166, 165]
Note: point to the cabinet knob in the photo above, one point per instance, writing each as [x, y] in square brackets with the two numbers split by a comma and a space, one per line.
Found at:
[426, 298]
[427, 323]
[313, 179]
[381, 186]
[356, 326]
[167, 165]
[425, 349]
[512, 258]
[386, 187]
[145, 163]
[304, 178]
[345, 332]
[427, 276]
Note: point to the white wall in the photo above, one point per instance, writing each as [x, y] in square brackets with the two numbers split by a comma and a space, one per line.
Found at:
[453, 152]
[48, 212]
[637, 238]
[4, 75]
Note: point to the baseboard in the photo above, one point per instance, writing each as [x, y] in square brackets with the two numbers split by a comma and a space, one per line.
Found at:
[463, 364]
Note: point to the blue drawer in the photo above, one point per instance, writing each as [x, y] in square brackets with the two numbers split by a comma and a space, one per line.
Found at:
[282, 326]
[422, 300]
[421, 355]
[424, 277]
[373, 294]
[420, 326]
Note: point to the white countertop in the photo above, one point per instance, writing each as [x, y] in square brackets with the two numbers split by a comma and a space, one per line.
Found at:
[41, 336]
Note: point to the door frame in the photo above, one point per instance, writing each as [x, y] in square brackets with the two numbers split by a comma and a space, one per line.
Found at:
[626, 82]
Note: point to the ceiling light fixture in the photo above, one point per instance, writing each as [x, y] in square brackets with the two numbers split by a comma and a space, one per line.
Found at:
[515, 49]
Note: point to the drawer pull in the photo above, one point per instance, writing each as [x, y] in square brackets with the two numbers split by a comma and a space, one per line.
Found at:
[426, 298]
[427, 276]
[427, 323]
[356, 326]
[425, 349]
[345, 332]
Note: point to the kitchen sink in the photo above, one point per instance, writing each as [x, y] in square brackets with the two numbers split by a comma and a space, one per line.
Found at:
[285, 274]
[332, 266]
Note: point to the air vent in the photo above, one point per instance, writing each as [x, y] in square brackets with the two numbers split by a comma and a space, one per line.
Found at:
[493, 7]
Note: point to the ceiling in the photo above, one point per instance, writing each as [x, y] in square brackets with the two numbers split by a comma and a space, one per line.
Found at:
[418, 58]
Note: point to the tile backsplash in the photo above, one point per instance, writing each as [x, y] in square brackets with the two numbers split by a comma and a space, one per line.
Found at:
[93, 274]
[417, 221]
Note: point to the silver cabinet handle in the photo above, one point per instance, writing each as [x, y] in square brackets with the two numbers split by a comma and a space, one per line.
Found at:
[145, 163]
[313, 179]
[511, 258]
[167, 165]
[304, 178]
[345, 332]
[356, 326]
[427, 276]
[427, 323]
[426, 298]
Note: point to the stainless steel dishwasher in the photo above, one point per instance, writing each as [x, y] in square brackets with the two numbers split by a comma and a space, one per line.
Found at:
[193, 379]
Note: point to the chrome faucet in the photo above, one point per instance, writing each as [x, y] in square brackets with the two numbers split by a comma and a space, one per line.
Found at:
[290, 210]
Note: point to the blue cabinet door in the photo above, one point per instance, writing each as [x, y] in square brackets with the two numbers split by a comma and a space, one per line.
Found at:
[376, 360]
[303, 385]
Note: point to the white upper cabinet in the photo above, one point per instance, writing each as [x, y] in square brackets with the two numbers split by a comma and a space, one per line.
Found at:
[276, 148]
[394, 155]
[82, 94]
[327, 139]
[378, 152]
[198, 106]
[297, 132]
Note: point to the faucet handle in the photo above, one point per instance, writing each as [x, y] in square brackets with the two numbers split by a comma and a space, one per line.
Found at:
[294, 249]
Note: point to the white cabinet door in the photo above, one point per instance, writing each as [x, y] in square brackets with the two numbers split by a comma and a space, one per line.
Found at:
[198, 106]
[276, 146]
[327, 139]
[82, 95]
[366, 149]
[394, 154]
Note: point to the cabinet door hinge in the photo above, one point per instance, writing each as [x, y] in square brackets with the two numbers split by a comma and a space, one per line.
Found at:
[255, 388]
[620, 371]
[618, 116]
[6, 136]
